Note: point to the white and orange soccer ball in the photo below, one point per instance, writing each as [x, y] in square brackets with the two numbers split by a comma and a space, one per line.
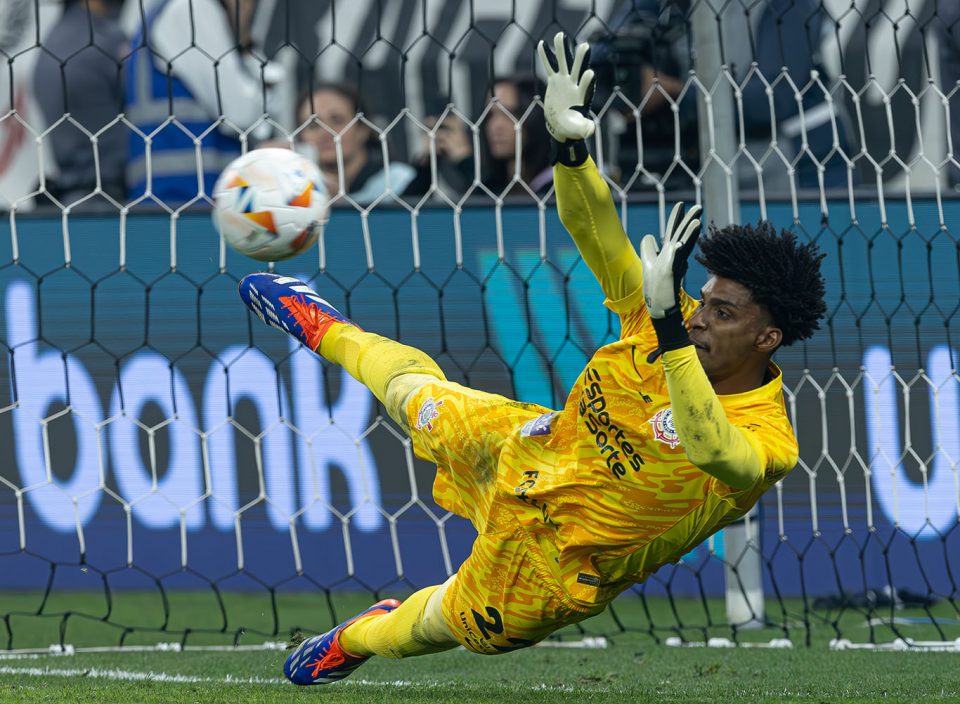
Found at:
[270, 204]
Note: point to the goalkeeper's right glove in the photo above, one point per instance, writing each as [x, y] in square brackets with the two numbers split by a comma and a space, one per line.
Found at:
[566, 105]
[663, 271]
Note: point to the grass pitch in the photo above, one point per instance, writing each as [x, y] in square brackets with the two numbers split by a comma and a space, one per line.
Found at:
[633, 668]
[631, 671]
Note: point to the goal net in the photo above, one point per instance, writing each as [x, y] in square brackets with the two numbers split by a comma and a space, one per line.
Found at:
[173, 472]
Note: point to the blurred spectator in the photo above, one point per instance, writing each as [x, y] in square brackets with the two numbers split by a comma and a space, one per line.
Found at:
[455, 163]
[80, 73]
[498, 165]
[330, 110]
[499, 168]
[191, 62]
[949, 75]
[21, 161]
[646, 42]
[133, 12]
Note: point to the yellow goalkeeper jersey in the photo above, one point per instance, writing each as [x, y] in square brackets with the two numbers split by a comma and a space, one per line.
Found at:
[574, 506]
[605, 484]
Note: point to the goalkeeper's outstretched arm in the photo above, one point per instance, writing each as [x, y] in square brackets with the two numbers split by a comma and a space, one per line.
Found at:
[587, 212]
[584, 202]
[710, 440]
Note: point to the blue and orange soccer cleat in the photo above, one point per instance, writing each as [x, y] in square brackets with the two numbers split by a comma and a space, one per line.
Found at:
[321, 660]
[288, 304]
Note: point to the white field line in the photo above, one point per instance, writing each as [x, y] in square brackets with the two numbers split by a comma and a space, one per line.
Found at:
[134, 676]
[66, 650]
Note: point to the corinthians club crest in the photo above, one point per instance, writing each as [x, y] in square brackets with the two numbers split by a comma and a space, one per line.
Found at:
[429, 411]
[663, 430]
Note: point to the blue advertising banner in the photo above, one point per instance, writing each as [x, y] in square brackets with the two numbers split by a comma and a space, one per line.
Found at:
[148, 424]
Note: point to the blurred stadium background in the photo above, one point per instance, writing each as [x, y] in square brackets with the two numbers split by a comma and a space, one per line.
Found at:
[171, 472]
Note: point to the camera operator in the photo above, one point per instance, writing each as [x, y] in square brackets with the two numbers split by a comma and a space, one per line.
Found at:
[646, 58]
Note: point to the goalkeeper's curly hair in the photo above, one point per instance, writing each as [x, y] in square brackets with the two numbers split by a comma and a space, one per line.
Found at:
[781, 274]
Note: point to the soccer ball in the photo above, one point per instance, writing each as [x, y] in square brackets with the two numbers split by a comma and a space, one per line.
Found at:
[270, 204]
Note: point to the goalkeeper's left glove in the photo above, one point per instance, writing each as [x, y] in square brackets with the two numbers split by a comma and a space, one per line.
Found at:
[663, 272]
[566, 105]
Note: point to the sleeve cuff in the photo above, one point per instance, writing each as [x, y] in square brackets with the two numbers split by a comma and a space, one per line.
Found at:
[569, 153]
[671, 331]
[578, 167]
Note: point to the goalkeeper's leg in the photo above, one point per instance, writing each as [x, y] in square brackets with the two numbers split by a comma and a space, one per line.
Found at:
[416, 627]
[388, 628]
[392, 371]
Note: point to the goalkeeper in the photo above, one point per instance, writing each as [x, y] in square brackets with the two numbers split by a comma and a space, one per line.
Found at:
[668, 434]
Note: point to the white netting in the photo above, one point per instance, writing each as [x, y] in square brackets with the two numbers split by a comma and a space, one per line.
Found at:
[154, 440]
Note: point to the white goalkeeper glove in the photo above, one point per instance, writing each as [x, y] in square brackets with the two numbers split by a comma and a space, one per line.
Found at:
[664, 267]
[663, 272]
[570, 88]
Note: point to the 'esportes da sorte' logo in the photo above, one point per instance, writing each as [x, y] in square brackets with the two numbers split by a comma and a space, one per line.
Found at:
[429, 411]
[663, 429]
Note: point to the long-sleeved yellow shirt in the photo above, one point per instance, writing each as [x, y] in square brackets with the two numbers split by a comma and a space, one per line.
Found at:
[618, 491]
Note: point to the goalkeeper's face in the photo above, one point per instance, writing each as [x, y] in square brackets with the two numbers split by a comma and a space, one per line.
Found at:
[731, 332]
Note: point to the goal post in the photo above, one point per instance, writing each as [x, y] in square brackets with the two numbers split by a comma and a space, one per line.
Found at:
[716, 116]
